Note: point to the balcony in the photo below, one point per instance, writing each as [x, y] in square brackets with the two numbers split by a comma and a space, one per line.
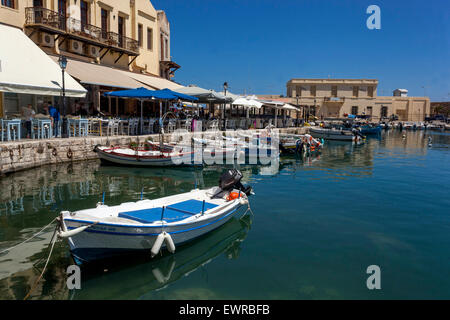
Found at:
[333, 100]
[45, 19]
[55, 23]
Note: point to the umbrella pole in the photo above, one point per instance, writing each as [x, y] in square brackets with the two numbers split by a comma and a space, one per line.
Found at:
[142, 118]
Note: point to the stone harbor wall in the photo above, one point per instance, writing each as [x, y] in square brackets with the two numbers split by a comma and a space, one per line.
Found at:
[25, 154]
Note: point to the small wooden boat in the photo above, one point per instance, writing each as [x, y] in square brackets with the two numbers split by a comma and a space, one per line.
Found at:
[334, 134]
[370, 130]
[143, 158]
[290, 144]
[150, 226]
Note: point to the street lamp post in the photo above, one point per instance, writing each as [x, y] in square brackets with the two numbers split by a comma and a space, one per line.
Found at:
[63, 64]
[225, 87]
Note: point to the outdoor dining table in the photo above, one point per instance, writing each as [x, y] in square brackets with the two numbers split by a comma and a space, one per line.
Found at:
[42, 125]
[80, 127]
[12, 126]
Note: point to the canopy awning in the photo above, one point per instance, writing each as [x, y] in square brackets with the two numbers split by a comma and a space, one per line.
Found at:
[153, 82]
[144, 93]
[204, 95]
[249, 103]
[287, 106]
[94, 74]
[25, 68]
[141, 93]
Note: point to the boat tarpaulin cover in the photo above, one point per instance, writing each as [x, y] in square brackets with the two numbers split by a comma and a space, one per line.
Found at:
[174, 212]
[25, 68]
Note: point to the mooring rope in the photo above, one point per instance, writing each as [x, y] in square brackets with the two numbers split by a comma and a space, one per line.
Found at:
[34, 236]
[54, 238]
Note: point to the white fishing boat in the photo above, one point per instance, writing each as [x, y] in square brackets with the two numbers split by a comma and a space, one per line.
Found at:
[144, 158]
[293, 143]
[334, 134]
[150, 226]
[211, 151]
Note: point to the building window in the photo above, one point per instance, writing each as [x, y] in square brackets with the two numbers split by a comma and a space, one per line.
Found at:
[62, 11]
[369, 111]
[312, 91]
[140, 35]
[384, 111]
[149, 39]
[84, 13]
[370, 91]
[104, 23]
[162, 48]
[167, 48]
[289, 91]
[334, 91]
[9, 3]
[121, 30]
[355, 110]
[355, 91]
[299, 91]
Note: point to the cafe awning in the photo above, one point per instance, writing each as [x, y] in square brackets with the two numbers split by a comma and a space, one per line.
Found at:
[204, 95]
[153, 82]
[25, 68]
[94, 74]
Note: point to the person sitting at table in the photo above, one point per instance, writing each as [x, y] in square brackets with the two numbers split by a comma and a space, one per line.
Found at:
[79, 110]
[55, 116]
[28, 113]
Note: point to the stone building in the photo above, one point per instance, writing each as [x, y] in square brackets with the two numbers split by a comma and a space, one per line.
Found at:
[336, 98]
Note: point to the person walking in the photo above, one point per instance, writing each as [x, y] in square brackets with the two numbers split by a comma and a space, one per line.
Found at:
[55, 116]
[28, 113]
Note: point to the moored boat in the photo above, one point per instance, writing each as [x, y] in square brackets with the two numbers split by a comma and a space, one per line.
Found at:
[334, 134]
[143, 158]
[150, 226]
[370, 129]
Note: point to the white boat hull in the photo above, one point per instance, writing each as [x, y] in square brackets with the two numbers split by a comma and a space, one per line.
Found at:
[330, 134]
[113, 233]
[110, 156]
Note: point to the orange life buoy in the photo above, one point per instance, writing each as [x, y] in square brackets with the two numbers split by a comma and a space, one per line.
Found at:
[232, 196]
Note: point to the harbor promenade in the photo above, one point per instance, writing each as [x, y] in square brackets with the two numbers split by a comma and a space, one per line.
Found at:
[28, 153]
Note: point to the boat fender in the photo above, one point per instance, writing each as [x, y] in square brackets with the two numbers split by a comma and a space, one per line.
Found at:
[169, 242]
[157, 245]
[71, 233]
[243, 201]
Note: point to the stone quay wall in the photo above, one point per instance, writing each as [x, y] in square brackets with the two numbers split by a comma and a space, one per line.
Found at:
[26, 154]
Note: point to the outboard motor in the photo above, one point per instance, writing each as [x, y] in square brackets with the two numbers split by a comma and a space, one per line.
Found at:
[231, 179]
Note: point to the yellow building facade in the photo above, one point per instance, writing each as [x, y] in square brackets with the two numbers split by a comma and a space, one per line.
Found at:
[124, 35]
[335, 98]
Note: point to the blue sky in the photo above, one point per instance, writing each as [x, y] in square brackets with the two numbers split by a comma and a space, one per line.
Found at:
[258, 45]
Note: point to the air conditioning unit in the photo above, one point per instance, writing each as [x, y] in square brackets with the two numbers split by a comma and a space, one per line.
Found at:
[47, 40]
[93, 51]
[76, 46]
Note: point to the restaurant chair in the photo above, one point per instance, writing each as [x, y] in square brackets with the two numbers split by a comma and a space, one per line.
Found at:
[113, 127]
[171, 126]
[151, 124]
[2, 130]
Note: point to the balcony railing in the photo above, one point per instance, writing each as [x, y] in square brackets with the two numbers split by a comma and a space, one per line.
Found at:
[55, 21]
[116, 40]
[45, 17]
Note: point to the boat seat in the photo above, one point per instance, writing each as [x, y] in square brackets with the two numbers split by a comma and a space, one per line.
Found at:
[172, 213]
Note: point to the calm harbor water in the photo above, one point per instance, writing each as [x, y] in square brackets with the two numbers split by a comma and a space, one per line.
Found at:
[318, 224]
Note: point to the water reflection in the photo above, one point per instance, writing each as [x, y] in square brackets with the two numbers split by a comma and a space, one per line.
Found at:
[163, 271]
[31, 199]
[127, 278]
